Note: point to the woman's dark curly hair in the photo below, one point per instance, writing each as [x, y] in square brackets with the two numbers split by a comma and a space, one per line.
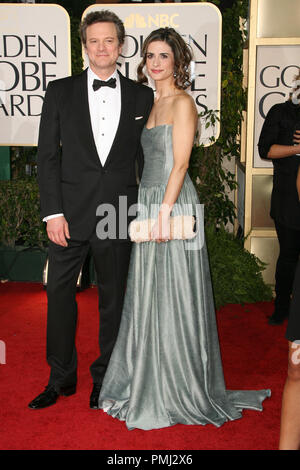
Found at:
[182, 56]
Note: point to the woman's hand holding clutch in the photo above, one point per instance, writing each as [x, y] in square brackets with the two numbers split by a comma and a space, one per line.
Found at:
[161, 231]
[179, 227]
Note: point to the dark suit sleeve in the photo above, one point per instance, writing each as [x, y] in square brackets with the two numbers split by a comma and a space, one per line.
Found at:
[48, 157]
[148, 106]
[270, 131]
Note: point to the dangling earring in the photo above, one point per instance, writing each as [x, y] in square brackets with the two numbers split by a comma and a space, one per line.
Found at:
[174, 75]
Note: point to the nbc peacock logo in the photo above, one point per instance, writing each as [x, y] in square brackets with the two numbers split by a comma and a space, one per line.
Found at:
[163, 20]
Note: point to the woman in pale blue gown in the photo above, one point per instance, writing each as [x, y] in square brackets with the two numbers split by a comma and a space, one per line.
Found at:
[166, 366]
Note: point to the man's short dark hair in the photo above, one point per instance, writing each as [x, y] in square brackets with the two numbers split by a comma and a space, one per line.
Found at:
[102, 16]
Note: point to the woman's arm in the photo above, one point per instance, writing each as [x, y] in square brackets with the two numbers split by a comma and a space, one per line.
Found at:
[184, 128]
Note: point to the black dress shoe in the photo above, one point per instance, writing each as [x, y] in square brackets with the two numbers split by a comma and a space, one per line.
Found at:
[95, 396]
[277, 318]
[49, 396]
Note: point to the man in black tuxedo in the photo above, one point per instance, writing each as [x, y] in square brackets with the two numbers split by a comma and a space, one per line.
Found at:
[88, 151]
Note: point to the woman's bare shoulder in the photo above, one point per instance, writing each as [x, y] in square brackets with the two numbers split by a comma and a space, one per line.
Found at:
[184, 105]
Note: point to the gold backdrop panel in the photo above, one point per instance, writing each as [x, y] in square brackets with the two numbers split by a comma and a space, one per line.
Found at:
[261, 199]
[267, 250]
[278, 18]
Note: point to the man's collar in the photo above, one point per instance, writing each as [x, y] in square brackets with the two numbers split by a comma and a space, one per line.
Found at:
[93, 76]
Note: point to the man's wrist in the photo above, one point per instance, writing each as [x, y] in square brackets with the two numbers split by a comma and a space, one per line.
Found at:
[53, 216]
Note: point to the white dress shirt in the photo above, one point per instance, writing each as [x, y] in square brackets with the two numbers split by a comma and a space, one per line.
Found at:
[105, 110]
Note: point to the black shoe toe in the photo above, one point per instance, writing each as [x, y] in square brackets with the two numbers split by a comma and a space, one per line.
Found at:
[277, 319]
[47, 398]
[95, 396]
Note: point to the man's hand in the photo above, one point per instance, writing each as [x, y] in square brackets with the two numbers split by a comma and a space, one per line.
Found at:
[296, 137]
[58, 230]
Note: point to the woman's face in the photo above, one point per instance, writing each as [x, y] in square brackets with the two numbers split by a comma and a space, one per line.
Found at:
[160, 61]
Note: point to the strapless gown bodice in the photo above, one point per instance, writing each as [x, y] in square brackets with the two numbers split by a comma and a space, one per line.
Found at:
[158, 163]
[158, 154]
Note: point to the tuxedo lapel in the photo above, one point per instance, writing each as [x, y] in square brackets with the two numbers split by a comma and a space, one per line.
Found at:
[127, 110]
[84, 117]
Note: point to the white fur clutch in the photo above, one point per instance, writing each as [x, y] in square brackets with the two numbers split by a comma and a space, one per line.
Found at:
[181, 228]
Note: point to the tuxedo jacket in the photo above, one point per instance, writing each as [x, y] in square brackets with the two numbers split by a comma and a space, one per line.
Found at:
[279, 128]
[71, 177]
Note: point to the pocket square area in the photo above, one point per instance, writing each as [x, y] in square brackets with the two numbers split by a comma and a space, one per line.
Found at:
[139, 117]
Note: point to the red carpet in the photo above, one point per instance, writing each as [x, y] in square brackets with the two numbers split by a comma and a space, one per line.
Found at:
[254, 357]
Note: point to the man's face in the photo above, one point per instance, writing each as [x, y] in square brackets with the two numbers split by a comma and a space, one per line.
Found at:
[103, 48]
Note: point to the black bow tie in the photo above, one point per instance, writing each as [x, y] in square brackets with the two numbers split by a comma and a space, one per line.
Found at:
[99, 83]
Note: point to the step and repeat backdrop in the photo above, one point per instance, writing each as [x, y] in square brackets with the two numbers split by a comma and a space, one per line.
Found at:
[35, 48]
